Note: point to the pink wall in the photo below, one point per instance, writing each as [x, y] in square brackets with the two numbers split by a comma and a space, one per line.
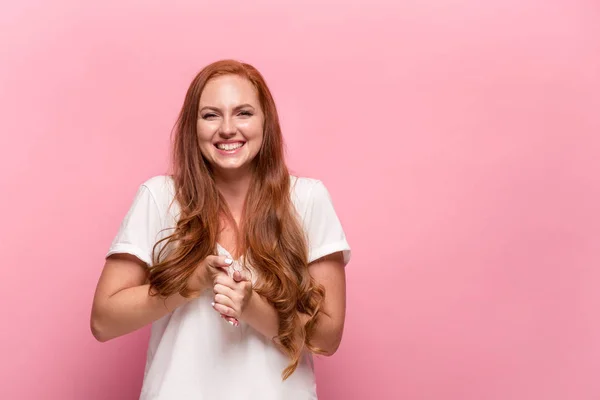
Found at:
[459, 141]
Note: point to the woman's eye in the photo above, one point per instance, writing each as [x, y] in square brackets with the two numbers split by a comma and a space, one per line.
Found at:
[246, 113]
[209, 115]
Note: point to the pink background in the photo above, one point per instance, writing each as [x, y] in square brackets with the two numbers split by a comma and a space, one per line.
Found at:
[459, 141]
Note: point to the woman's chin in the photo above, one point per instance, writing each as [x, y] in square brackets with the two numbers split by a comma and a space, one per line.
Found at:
[232, 166]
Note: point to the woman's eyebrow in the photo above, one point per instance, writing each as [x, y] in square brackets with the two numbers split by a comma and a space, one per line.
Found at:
[236, 108]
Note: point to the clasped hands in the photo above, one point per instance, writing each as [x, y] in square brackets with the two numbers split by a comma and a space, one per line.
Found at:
[231, 294]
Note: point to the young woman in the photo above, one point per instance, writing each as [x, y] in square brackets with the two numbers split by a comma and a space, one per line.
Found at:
[238, 265]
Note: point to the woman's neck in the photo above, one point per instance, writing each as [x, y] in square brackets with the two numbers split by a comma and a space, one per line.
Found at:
[234, 188]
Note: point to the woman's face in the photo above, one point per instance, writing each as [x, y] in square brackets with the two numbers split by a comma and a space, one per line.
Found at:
[230, 123]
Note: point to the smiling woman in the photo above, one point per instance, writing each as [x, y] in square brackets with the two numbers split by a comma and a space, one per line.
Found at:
[230, 127]
[238, 265]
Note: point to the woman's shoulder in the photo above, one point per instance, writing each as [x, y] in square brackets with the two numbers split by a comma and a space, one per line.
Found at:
[161, 188]
[301, 185]
[159, 183]
[306, 190]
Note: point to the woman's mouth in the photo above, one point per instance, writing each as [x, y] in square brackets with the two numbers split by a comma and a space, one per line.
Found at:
[229, 148]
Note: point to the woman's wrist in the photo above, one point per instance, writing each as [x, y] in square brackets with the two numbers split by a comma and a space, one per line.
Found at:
[196, 285]
[251, 306]
[261, 315]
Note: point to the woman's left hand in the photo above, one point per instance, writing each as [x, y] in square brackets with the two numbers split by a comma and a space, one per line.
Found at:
[232, 294]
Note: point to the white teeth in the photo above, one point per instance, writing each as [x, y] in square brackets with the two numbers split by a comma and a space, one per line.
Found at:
[229, 146]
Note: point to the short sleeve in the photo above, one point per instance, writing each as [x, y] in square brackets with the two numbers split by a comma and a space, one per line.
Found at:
[140, 229]
[323, 227]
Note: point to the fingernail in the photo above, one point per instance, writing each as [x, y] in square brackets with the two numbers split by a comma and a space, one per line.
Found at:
[228, 261]
[231, 322]
[212, 303]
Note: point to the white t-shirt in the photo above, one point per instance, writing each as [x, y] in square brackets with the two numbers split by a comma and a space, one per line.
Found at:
[195, 354]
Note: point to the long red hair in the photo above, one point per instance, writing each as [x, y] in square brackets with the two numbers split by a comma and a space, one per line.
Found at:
[270, 235]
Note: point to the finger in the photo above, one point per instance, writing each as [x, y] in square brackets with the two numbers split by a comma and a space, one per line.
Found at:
[224, 310]
[224, 290]
[240, 276]
[225, 280]
[218, 261]
[224, 301]
[231, 320]
[218, 265]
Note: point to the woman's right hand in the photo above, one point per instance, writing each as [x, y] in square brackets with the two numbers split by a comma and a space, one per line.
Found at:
[205, 273]
[204, 277]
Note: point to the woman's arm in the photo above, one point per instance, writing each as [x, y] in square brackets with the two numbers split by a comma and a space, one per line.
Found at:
[122, 303]
[329, 272]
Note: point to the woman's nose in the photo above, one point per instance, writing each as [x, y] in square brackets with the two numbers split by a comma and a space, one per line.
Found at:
[228, 127]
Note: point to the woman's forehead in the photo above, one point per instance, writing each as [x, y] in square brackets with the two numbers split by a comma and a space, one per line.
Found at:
[228, 91]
